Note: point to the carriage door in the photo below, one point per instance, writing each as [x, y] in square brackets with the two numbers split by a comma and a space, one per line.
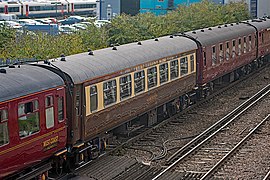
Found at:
[78, 112]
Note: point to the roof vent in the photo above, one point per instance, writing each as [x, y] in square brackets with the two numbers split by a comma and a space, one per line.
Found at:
[3, 71]
[219, 26]
[11, 66]
[225, 25]
[237, 23]
[63, 57]
[156, 39]
[202, 30]
[231, 24]
[114, 48]
[171, 36]
[139, 43]
[194, 32]
[90, 52]
[209, 28]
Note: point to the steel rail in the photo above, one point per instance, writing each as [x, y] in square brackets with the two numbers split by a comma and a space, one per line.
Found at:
[229, 154]
[192, 145]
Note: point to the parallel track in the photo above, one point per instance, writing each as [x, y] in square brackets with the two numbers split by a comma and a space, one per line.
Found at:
[197, 144]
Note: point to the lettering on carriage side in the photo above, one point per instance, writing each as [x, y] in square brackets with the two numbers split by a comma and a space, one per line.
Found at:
[50, 143]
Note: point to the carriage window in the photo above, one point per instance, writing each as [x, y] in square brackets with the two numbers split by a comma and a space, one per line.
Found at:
[152, 77]
[227, 51]
[93, 98]
[262, 38]
[109, 92]
[239, 46]
[245, 44]
[4, 137]
[60, 108]
[192, 67]
[125, 86]
[49, 111]
[233, 49]
[249, 42]
[139, 82]
[204, 58]
[214, 56]
[184, 66]
[163, 73]
[28, 117]
[221, 52]
[174, 69]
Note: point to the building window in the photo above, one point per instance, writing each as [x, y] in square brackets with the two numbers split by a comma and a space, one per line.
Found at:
[61, 108]
[214, 56]
[152, 77]
[28, 117]
[49, 111]
[233, 49]
[174, 69]
[184, 66]
[163, 73]
[125, 86]
[139, 81]
[109, 92]
[192, 66]
[221, 52]
[239, 46]
[93, 98]
[227, 51]
[4, 136]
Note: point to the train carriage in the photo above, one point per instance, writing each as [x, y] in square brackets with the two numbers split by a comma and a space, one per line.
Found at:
[263, 28]
[224, 49]
[32, 120]
[114, 85]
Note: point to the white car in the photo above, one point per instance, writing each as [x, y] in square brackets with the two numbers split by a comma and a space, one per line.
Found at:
[65, 29]
[27, 21]
[100, 23]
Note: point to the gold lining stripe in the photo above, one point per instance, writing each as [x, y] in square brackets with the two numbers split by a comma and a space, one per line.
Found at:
[32, 140]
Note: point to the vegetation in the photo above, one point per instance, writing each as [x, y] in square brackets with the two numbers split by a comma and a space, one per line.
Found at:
[123, 29]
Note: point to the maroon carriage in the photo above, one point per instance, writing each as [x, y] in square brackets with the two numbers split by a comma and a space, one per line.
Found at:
[32, 121]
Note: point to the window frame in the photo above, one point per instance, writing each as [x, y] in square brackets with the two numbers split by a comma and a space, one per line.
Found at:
[174, 60]
[140, 78]
[214, 55]
[186, 70]
[155, 77]
[128, 83]
[36, 110]
[50, 106]
[166, 72]
[63, 108]
[113, 87]
[5, 121]
[91, 95]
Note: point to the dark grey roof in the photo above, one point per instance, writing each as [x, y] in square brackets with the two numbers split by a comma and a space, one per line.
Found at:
[25, 80]
[261, 24]
[83, 67]
[216, 34]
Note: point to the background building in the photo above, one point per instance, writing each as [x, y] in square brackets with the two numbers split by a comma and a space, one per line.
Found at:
[160, 7]
[106, 9]
[257, 8]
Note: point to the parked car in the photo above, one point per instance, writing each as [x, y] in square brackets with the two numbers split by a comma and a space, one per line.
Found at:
[27, 21]
[100, 23]
[72, 20]
[44, 21]
[65, 29]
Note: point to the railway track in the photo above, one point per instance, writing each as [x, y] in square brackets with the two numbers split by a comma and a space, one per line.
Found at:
[204, 154]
